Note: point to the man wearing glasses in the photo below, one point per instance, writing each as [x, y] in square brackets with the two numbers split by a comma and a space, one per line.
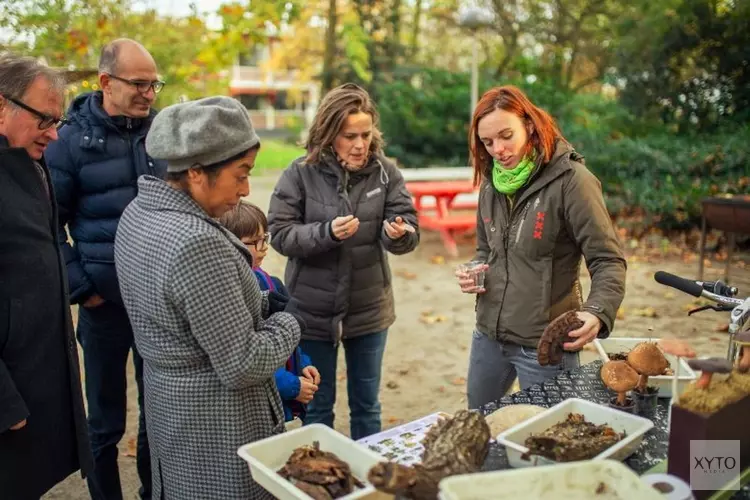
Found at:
[94, 168]
[43, 436]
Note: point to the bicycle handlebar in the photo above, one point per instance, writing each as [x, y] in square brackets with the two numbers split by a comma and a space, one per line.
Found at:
[696, 289]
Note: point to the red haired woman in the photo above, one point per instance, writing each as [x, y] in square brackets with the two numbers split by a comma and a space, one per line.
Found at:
[540, 211]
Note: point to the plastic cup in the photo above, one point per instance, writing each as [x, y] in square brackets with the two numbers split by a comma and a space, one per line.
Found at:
[474, 269]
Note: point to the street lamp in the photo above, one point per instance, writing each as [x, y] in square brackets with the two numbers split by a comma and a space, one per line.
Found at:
[474, 18]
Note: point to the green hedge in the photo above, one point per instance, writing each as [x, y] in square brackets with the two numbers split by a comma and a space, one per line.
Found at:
[643, 166]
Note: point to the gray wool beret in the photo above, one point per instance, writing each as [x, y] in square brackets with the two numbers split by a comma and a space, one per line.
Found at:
[201, 132]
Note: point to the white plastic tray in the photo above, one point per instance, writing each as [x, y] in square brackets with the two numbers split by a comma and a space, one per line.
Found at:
[267, 456]
[571, 481]
[663, 382]
[633, 426]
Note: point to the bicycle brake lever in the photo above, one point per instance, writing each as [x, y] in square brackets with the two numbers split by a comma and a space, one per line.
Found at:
[719, 308]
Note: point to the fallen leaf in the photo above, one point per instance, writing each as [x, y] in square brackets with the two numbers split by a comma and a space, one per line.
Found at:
[646, 312]
[441, 388]
[714, 339]
[403, 371]
[459, 381]
[669, 295]
[341, 377]
[392, 384]
[391, 420]
[437, 259]
[428, 312]
[407, 275]
[130, 449]
[724, 327]
[621, 313]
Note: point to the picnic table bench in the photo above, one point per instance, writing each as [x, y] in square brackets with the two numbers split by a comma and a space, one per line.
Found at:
[440, 216]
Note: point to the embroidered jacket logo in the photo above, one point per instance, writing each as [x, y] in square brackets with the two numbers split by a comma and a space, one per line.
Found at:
[539, 226]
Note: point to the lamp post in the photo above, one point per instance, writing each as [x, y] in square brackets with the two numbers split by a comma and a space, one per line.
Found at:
[474, 18]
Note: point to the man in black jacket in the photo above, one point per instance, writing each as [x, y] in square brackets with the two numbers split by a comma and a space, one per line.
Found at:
[94, 168]
[43, 436]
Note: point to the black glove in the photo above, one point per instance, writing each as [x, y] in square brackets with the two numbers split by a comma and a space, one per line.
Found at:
[292, 308]
[276, 302]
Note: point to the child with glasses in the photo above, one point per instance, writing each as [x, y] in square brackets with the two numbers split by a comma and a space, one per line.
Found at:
[298, 380]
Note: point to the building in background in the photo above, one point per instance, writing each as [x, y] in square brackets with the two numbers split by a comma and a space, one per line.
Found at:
[277, 100]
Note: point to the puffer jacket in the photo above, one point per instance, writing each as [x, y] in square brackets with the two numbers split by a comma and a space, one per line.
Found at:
[94, 169]
[534, 245]
[343, 288]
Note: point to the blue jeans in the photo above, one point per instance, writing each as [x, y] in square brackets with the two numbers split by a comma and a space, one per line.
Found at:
[106, 338]
[493, 367]
[364, 361]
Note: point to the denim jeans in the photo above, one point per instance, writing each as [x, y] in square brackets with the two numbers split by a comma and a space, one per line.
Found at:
[364, 361]
[106, 338]
[493, 366]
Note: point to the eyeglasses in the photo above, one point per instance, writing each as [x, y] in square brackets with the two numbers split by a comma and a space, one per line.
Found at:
[261, 242]
[142, 86]
[45, 121]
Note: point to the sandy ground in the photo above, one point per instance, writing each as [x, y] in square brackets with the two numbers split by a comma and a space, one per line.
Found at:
[427, 352]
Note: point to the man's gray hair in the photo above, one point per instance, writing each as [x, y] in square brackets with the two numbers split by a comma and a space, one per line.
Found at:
[17, 73]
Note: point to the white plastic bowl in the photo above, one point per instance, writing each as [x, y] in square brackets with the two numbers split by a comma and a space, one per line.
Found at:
[570, 481]
[614, 345]
[633, 426]
[267, 456]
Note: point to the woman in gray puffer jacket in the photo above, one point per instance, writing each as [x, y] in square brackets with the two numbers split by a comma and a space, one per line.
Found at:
[334, 213]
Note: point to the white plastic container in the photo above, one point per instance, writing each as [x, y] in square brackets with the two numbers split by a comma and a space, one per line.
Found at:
[633, 426]
[614, 345]
[267, 456]
[570, 481]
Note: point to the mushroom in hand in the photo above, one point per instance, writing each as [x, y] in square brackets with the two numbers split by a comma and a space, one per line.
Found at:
[620, 377]
[707, 368]
[647, 359]
[743, 340]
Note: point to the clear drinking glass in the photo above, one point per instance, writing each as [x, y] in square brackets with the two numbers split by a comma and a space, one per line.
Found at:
[475, 269]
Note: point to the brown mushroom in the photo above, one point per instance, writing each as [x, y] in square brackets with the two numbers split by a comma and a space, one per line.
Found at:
[708, 367]
[620, 377]
[743, 340]
[677, 347]
[648, 360]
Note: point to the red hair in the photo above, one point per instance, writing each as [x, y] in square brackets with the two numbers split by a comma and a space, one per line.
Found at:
[509, 98]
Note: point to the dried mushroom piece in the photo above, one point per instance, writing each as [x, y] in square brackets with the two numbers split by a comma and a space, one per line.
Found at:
[456, 445]
[320, 474]
[572, 439]
[550, 347]
[620, 377]
[647, 359]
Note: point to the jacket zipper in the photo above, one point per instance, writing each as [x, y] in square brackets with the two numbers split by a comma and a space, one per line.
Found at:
[506, 231]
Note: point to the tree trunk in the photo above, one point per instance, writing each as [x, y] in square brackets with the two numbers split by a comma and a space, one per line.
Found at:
[330, 48]
[414, 43]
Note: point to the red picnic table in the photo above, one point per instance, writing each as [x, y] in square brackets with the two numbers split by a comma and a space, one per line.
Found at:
[441, 217]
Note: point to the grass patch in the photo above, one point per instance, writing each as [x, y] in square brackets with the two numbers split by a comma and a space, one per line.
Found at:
[276, 155]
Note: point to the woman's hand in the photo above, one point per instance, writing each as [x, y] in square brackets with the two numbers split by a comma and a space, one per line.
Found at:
[344, 227]
[20, 425]
[397, 228]
[312, 374]
[466, 281]
[585, 334]
[306, 390]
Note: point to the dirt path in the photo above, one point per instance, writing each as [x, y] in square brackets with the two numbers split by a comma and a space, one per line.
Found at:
[426, 357]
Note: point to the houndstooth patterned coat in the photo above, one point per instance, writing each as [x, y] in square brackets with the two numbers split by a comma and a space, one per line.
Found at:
[209, 354]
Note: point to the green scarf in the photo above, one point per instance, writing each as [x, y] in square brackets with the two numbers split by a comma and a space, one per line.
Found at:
[508, 181]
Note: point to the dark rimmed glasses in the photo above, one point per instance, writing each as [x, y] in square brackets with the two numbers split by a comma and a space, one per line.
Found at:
[142, 86]
[260, 243]
[45, 121]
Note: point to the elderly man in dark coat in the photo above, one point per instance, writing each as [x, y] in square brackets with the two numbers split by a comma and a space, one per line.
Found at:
[43, 436]
[211, 341]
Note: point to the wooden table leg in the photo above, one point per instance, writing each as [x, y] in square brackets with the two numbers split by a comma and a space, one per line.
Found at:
[730, 250]
[702, 255]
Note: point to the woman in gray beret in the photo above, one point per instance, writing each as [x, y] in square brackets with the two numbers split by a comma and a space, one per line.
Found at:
[335, 213]
[209, 345]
